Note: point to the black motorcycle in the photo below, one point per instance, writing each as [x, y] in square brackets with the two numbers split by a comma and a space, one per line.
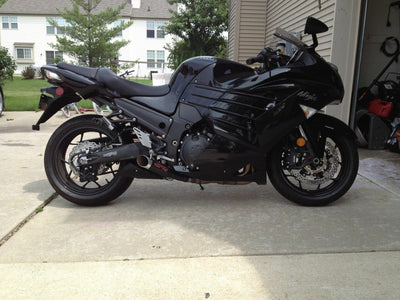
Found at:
[217, 121]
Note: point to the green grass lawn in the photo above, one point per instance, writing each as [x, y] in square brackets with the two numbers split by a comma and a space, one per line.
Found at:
[23, 95]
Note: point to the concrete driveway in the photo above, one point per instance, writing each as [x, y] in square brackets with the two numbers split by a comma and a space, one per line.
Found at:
[171, 240]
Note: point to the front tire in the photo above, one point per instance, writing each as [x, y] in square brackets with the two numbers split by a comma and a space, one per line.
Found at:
[314, 185]
[88, 185]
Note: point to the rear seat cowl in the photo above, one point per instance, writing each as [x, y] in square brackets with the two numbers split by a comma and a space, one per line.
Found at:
[124, 87]
[84, 71]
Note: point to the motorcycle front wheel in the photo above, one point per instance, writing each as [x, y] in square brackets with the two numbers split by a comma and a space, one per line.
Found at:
[91, 184]
[313, 182]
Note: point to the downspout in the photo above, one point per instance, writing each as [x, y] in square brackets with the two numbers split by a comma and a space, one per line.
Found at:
[360, 44]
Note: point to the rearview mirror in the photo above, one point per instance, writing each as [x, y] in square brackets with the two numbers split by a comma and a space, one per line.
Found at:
[314, 26]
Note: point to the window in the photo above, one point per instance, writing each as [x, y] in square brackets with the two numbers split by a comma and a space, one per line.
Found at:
[150, 58]
[60, 29]
[160, 29]
[9, 22]
[53, 57]
[150, 29]
[116, 24]
[160, 58]
[24, 53]
[61, 26]
[155, 29]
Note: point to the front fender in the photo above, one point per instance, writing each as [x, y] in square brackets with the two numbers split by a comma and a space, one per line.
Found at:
[319, 126]
[331, 124]
[52, 103]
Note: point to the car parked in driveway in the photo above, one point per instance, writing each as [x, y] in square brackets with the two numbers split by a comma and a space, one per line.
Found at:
[1, 101]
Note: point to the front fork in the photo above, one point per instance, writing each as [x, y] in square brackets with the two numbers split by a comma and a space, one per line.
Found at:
[315, 142]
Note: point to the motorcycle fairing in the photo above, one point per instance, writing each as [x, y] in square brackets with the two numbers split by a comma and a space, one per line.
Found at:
[218, 93]
[155, 121]
[247, 113]
[186, 72]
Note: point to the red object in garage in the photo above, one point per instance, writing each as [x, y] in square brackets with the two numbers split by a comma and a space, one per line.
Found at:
[380, 107]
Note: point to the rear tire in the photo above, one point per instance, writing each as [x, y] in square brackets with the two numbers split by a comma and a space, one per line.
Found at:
[314, 186]
[97, 188]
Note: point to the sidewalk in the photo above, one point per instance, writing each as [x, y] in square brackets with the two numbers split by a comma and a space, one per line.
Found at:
[169, 240]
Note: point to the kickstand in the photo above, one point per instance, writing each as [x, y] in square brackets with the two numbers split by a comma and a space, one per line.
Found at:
[201, 187]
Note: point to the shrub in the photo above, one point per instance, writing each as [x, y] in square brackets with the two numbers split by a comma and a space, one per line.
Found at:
[28, 73]
[7, 65]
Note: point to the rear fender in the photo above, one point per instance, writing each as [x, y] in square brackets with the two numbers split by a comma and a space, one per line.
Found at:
[51, 103]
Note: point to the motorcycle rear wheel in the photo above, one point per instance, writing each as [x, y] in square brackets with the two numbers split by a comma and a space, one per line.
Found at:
[90, 186]
[311, 185]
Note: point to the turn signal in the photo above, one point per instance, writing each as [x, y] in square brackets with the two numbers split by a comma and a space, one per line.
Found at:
[301, 142]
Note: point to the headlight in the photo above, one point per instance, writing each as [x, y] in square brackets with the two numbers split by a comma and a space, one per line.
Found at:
[308, 111]
[52, 76]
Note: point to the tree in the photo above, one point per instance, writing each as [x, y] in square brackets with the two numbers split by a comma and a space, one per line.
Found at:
[7, 65]
[199, 26]
[88, 37]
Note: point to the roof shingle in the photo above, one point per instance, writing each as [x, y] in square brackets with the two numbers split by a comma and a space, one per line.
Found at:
[149, 9]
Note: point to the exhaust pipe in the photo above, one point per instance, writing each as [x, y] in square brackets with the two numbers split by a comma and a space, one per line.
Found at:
[125, 152]
[130, 152]
[144, 162]
[163, 171]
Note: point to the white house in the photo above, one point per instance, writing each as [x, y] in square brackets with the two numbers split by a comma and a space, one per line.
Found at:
[26, 33]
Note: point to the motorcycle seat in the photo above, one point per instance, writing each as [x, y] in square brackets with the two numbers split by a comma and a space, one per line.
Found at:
[127, 88]
[124, 87]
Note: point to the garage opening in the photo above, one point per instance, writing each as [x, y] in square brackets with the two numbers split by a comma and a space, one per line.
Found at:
[376, 90]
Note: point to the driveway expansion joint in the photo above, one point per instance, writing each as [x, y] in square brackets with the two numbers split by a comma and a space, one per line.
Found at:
[21, 224]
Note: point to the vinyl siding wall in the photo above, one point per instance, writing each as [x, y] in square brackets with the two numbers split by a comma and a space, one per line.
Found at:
[253, 22]
[291, 15]
[248, 19]
[231, 30]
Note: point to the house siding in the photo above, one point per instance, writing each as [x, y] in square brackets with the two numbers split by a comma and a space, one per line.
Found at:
[231, 31]
[291, 15]
[248, 19]
[32, 30]
[255, 21]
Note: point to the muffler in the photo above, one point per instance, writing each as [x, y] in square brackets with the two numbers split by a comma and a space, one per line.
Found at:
[124, 152]
[155, 167]
[144, 161]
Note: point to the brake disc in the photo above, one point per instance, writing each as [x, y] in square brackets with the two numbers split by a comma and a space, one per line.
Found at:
[324, 172]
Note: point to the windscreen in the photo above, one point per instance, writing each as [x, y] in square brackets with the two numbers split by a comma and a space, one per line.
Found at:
[284, 35]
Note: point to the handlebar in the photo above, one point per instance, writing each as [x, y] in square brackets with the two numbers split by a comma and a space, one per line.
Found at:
[253, 60]
[269, 58]
[260, 58]
[126, 73]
